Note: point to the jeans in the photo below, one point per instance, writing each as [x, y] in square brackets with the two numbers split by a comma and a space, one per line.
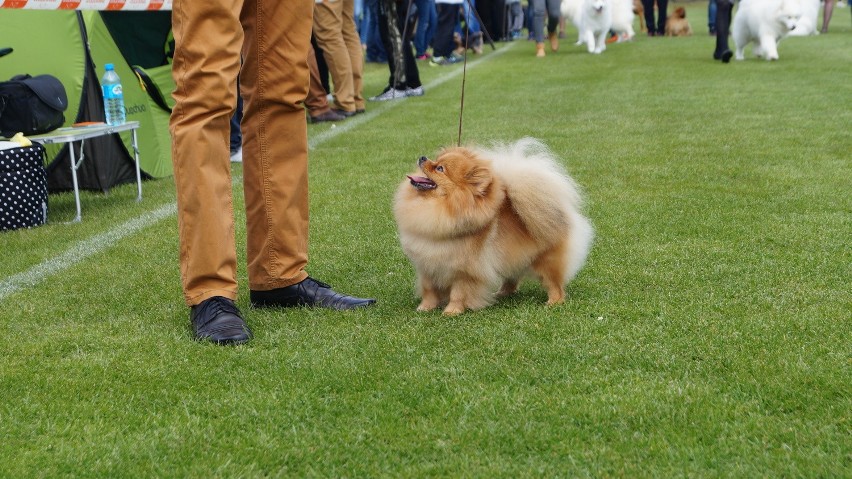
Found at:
[427, 19]
[711, 15]
[469, 17]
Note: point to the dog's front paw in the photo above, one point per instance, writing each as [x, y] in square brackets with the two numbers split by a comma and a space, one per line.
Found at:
[427, 305]
[453, 310]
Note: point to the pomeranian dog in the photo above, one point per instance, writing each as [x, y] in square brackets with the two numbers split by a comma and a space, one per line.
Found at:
[677, 25]
[474, 220]
[764, 22]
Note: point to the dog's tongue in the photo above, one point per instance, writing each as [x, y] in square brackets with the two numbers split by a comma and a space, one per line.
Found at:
[421, 182]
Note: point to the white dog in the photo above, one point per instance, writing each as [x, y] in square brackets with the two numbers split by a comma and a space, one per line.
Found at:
[622, 19]
[764, 22]
[593, 19]
[807, 25]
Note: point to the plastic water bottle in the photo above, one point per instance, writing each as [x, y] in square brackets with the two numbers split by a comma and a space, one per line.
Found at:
[113, 96]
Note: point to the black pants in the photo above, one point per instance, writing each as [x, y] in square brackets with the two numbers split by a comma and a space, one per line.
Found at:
[723, 25]
[448, 16]
[403, 67]
[662, 8]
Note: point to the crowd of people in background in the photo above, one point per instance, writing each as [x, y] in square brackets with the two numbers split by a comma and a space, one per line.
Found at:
[405, 33]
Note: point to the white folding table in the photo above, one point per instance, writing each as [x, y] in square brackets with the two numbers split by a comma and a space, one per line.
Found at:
[82, 133]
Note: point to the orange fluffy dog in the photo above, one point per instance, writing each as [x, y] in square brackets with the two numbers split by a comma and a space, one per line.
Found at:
[475, 220]
[677, 25]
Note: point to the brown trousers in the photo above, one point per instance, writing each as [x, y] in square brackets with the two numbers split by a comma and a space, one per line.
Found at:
[334, 30]
[273, 37]
[317, 101]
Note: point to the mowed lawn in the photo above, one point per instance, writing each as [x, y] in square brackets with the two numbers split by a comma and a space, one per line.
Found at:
[707, 336]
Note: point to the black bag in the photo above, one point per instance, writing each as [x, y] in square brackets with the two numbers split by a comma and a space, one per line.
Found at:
[32, 105]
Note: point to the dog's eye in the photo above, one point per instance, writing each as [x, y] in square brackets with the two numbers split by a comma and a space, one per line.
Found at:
[439, 169]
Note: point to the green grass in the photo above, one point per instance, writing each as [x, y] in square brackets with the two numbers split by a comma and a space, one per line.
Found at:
[707, 336]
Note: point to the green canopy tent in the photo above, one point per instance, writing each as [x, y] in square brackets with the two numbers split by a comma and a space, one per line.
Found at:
[74, 46]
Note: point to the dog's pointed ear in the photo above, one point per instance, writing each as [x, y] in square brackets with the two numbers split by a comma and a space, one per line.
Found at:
[480, 178]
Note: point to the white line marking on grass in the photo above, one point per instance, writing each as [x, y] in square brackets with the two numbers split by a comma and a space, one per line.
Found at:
[81, 251]
[98, 243]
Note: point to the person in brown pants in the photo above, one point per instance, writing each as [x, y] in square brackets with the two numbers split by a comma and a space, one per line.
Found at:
[210, 36]
[334, 30]
[317, 100]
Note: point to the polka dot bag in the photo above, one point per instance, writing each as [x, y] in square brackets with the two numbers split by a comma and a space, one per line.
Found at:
[23, 187]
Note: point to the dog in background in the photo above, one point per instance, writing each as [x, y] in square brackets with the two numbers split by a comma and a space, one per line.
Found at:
[639, 11]
[622, 19]
[764, 22]
[474, 220]
[593, 19]
[677, 25]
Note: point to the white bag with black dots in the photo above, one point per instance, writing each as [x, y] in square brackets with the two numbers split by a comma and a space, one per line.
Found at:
[23, 187]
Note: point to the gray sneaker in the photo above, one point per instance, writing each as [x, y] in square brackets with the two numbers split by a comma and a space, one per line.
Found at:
[390, 94]
[414, 91]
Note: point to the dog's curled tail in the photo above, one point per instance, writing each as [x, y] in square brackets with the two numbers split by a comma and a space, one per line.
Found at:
[545, 197]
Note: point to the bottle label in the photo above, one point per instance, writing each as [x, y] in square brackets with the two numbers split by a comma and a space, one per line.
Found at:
[112, 91]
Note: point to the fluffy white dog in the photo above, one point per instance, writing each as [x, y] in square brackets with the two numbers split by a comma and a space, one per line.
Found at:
[808, 23]
[765, 22]
[622, 18]
[593, 19]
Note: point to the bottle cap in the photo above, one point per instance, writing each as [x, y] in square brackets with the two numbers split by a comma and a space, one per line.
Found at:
[109, 66]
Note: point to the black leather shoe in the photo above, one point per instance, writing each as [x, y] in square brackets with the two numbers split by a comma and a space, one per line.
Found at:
[330, 115]
[344, 113]
[309, 292]
[217, 319]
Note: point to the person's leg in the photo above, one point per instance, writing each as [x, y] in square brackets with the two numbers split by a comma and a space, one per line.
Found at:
[205, 67]
[724, 9]
[328, 30]
[470, 16]
[236, 132]
[711, 16]
[375, 50]
[553, 15]
[387, 11]
[411, 73]
[356, 54]
[539, 13]
[662, 13]
[648, 7]
[423, 14]
[275, 146]
[827, 10]
[442, 44]
[317, 100]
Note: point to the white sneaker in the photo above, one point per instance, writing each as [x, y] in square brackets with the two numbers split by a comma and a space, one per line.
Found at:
[390, 94]
[414, 91]
[237, 157]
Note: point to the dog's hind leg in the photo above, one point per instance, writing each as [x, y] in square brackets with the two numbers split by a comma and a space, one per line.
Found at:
[551, 268]
[510, 286]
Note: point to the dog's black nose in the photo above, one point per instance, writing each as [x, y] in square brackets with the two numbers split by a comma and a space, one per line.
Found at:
[422, 160]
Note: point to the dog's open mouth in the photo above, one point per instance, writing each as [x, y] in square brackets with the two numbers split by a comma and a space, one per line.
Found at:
[422, 183]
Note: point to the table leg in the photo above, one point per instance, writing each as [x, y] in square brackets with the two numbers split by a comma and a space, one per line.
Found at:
[138, 172]
[73, 157]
